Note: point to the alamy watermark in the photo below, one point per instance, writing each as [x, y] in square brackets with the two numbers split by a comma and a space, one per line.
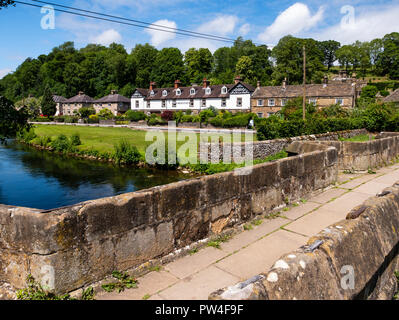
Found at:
[48, 20]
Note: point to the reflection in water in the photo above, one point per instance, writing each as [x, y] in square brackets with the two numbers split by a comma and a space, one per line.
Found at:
[40, 179]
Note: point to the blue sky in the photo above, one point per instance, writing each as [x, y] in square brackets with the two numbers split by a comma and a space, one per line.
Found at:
[263, 21]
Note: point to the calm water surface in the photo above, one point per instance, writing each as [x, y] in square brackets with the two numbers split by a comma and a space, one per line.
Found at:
[40, 179]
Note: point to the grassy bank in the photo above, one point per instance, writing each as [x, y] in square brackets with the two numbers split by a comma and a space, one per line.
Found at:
[126, 146]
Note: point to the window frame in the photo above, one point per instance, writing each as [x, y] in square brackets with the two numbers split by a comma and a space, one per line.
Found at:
[271, 104]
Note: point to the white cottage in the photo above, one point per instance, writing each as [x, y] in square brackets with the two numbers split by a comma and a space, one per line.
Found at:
[232, 97]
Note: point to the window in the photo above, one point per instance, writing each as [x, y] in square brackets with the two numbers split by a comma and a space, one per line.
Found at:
[283, 102]
[271, 103]
[174, 103]
[339, 101]
[178, 92]
[164, 93]
[260, 103]
[208, 91]
[260, 114]
[223, 102]
[270, 114]
[137, 103]
[313, 101]
[203, 103]
[163, 103]
[191, 103]
[239, 102]
[224, 90]
[148, 104]
[192, 91]
[152, 92]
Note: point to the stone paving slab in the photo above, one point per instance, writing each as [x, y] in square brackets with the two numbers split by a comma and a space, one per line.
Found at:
[190, 264]
[245, 238]
[328, 195]
[316, 221]
[254, 251]
[199, 285]
[259, 256]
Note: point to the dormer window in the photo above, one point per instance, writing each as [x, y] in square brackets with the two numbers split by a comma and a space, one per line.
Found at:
[164, 93]
[178, 92]
[208, 91]
[224, 90]
[192, 91]
[152, 92]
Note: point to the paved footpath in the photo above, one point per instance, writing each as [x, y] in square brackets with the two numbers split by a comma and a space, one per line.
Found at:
[254, 251]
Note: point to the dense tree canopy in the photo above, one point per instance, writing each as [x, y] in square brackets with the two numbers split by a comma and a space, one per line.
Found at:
[96, 69]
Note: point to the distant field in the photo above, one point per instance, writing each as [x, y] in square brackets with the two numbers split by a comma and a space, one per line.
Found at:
[104, 139]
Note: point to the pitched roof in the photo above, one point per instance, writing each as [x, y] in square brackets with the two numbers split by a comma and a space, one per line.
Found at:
[112, 98]
[80, 98]
[312, 90]
[200, 92]
[393, 97]
[59, 98]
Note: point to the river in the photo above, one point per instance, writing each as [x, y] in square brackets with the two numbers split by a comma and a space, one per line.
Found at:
[44, 180]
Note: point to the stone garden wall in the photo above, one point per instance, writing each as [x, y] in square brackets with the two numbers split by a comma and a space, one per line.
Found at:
[68, 248]
[365, 246]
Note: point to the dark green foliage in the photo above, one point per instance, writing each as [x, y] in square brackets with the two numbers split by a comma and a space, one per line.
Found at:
[34, 291]
[135, 115]
[26, 135]
[75, 139]
[11, 120]
[85, 112]
[124, 281]
[369, 92]
[48, 104]
[65, 145]
[125, 153]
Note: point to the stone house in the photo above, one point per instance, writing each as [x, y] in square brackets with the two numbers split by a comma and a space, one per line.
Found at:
[76, 102]
[232, 97]
[115, 102]
[268, 100]
[59, 100]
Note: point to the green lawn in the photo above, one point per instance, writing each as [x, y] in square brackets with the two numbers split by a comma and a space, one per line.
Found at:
[358, 138]
[103, 139]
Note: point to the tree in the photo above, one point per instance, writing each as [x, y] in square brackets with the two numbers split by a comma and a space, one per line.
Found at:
[11, 120]
[6, 3]
[144, 56]
[168, 67]
[31, 106]
[345, 56]
[49, 107]
[85, 112]
[388, 59]
[198, 63]
[329, 49]
[245, 69]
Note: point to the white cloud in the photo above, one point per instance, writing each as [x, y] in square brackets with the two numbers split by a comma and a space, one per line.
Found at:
[294, 20]
[221, 25]
[107, 37]
[4, 72]
[367, 25]
[244, 29]
[159, 37]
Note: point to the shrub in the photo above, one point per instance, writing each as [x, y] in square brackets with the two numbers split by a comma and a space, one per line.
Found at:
[126, 153]
[167, 115]
[44, 141]
[75, 139]
[93, 119]
[155, 120]
[71, 119]
[62, 144]
[26, 135]
[135, 115]
[59, 119]
[85, 112]
[105, 114]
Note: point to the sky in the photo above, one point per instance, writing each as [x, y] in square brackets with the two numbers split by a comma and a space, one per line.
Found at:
[26, 33]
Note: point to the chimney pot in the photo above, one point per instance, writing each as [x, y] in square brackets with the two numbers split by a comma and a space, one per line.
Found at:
[284, 83]
[177, 84]
[258, 84]
[80, 93]
[237, 79]
[152, 85]
[205, 83]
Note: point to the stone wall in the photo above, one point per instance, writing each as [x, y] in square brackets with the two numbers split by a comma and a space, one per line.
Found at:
[262, 149]
[367, 241]
[70, 247]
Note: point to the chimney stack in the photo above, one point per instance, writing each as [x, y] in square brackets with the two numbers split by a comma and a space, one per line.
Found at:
[258, 84]
[152, 85]
[177, 84]
[237, 79]
[81, 93]
[205, 83]
[114, 92]
[325, 80]
[284, 83]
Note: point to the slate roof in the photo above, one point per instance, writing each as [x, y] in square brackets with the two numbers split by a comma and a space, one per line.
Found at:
[58, 99]
[80, 98]
[393, 97]
[216, 92]
[112, 98]
[312, 90]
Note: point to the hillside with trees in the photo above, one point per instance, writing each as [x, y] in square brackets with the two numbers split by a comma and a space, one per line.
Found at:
[96, 69]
